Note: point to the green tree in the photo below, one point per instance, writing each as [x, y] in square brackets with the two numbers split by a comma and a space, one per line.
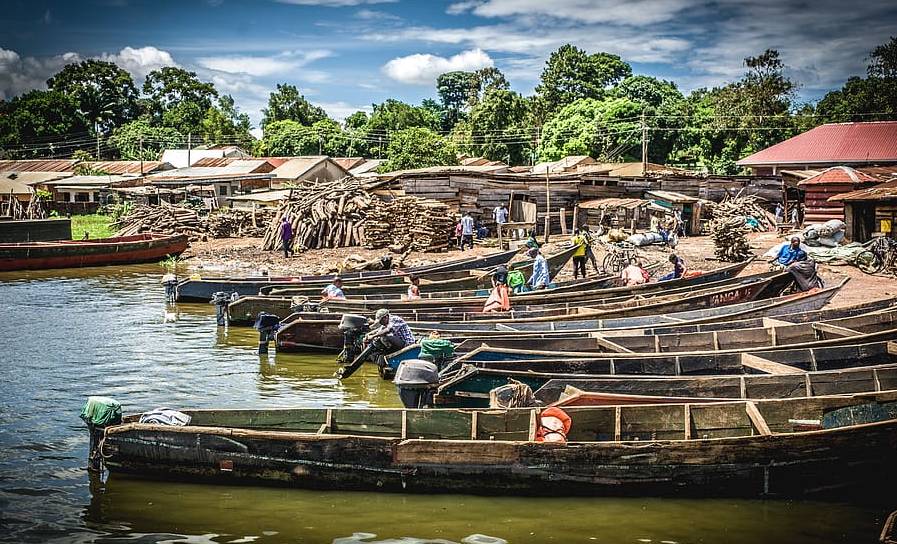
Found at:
[662, 104]
[604, 129]
[873, 98]
[286, 103]
[499, 128]
[177, 98]
[392, 116]
[138, 140]
[357, 121]
[105, 94]
[570, 74]
[483, 81]
[225, 124]
[883, 60]
[32, 122]
[418, 147]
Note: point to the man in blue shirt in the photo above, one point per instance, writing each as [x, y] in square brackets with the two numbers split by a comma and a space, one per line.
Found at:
[541, 277]
[791, 253]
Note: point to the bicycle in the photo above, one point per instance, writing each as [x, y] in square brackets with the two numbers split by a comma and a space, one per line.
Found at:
[880, 255]
[617, 257]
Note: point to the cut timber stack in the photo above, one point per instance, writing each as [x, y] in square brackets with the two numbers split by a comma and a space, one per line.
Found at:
[164, 219]
[235, 223]
[409, 222]
[329, 214]
[729, 228]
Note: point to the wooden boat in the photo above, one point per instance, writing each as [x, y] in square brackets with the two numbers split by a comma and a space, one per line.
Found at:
[538, 297]
[782, 448]
[889, 530]
[610, 390]
[202, 289]
[244, 310]
[139, 248]
[456, 287]
[773, 335]
[469, 385]
[300, 331]
[811, 300]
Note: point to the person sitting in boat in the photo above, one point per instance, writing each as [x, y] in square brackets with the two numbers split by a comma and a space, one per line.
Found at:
[679, 268]
[805, 273]
[541, 276]
[414, 288]
[334, 291]
[790, 253]
[499, 299]
[531, 242]
[392, 334]
[634, 274]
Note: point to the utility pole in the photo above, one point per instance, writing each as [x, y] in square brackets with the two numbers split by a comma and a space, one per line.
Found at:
[644, 145]
[141, 156]
[96, 127]
[189, 146]
[547, 205]
[320, 145]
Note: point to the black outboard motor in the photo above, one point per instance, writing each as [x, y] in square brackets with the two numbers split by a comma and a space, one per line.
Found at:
[267, 324]
[416, 381]
[303, 304]
[354, 328]
[221, 300]
[170, 281]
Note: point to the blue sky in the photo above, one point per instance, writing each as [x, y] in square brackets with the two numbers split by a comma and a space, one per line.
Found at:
[346, 54]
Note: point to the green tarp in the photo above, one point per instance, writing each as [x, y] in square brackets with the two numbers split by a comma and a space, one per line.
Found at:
[101, 411]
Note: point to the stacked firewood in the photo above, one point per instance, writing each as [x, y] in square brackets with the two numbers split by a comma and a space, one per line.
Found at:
[329, 214]
[236, 223]
[409, 222]
[730, 226]
[163, 219]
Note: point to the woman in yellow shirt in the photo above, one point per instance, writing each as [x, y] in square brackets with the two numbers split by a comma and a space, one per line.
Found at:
[579, 256]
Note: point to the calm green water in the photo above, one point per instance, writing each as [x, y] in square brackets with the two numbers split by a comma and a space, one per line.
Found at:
[66, 335]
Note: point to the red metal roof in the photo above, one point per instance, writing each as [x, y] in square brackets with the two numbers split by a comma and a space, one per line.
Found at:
[126, 167]
[885, 191]
[839, 174]
[38, 165]
[848, 143]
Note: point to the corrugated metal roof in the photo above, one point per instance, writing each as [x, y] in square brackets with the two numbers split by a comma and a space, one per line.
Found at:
[14, 186]
[838, 174]
[348, 162]
[127, 167]
[34, 178]
[367, 166]
[885, 191]
[298, 167]
[670, 196]
[628, 203]
[91, 181]
[38, 165]
[833, 143]
[214, 162]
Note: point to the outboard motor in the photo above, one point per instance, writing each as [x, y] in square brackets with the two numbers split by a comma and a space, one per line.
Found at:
[417, 381]
[170, 281]
[303, 304]
[221, 300]
[354, 328]
[267, 324]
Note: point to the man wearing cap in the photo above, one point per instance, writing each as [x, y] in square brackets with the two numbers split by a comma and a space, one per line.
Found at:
[541, 277]
[393, 333]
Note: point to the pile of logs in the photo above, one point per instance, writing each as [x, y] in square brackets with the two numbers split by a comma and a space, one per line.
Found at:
[329, 214]
[236, 223]
[409, 222]
[163, 219]
[729, 227]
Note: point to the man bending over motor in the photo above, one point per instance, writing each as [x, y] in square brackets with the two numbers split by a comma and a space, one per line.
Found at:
[392, 335]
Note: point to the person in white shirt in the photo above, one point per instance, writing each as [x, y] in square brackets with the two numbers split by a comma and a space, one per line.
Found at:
[467, 228]
[500, 213]
[334, 291]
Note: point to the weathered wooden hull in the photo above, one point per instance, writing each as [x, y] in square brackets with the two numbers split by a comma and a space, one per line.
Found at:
[470, 386]
[611, 289]
[810, 301]
[732, 449]
[140, 248]
[309, 334]
[201, 290]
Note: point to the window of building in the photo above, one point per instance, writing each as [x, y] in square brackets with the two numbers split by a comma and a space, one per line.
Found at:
[222, 190]
[82, 197]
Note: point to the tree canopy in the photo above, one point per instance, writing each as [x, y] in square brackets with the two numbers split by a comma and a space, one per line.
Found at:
[418, 147]
[103, 93]
[608, 130]
[571, 74]
[287, 103]
[35, 122]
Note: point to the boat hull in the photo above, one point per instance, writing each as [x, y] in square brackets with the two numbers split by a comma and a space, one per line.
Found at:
[140, 248]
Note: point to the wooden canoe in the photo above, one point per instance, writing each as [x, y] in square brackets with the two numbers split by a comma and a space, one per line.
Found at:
[751, 449]
[202, 289]
[889, 530]
[299, 330]
[470, 384]
[772, 335]
[139, 248]
[811, 300]
[610, 390]
[243, 311]
[538, 297]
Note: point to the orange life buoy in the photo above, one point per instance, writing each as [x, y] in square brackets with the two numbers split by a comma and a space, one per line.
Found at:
[554, 425]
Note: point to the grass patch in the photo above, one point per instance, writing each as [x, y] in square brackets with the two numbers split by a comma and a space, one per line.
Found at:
[99, 226]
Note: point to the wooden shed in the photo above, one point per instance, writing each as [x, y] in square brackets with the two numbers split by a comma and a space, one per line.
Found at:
[627, 213]
[688, 207]
[828, 183]
[870, 212]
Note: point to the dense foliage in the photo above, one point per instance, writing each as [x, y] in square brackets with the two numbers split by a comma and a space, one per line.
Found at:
[585, 103]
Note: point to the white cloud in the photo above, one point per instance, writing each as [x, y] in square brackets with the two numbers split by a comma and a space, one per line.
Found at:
[375, 15]
[631, 12]
[423, 69]
[335, 3]
[340, 110]
[140, 61]
[280, 64]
